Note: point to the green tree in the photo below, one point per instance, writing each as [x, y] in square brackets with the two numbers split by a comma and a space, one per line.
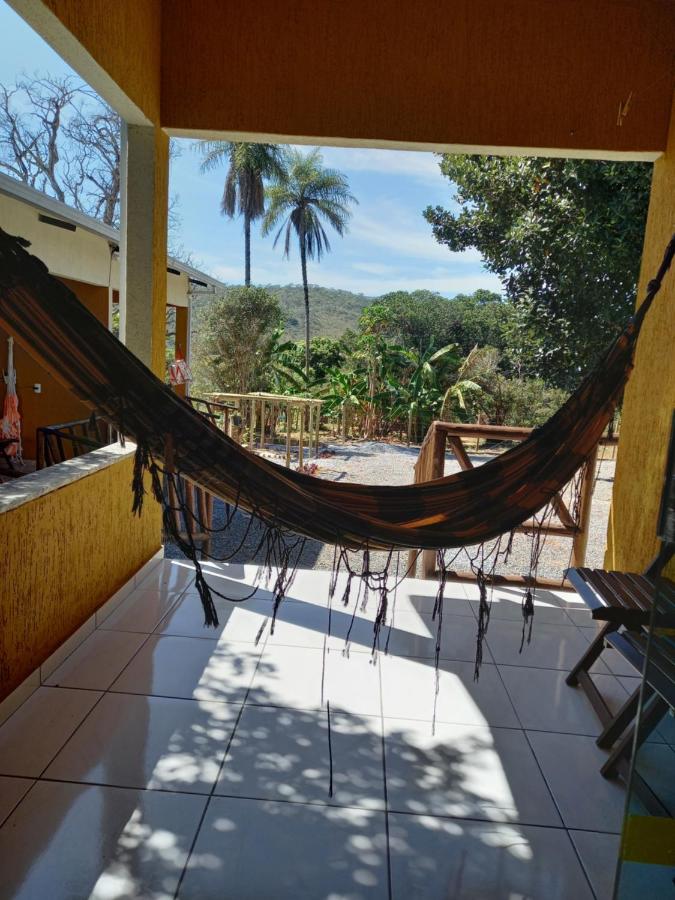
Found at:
[249, 166]
[419, 319]
[304, 196]
[325, 354]
[237, 335]
[565, 237]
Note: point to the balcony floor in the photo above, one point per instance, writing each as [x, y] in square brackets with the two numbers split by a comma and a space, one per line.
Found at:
[162, 758]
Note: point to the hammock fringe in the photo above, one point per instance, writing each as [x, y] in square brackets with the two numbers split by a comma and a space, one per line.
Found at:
[475, 508]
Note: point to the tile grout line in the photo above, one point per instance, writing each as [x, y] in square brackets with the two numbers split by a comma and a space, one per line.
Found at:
[548, 787]
[211, 793]
[103, 693]
[384, 779]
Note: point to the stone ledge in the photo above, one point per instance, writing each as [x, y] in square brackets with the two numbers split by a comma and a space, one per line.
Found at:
[23, 490]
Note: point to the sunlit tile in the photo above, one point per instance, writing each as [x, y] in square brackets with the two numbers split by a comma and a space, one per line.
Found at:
[286, 754]
[412, 689]
[545, 702]
[465, 770]
[571, 765]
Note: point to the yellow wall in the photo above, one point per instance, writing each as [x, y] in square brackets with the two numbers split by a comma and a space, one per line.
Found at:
[123, 37]
[513, 73]
[63, 555]
[650, 394]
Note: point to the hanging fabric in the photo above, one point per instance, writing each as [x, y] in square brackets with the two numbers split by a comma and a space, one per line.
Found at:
[471, 507]
[10, 425]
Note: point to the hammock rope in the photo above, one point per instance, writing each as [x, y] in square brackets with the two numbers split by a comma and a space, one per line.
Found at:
[175, 441]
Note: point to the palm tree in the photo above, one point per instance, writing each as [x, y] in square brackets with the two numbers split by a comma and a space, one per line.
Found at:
[249, 165]
[301, 199]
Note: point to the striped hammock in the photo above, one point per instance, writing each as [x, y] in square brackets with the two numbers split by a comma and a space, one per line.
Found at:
[175, 441]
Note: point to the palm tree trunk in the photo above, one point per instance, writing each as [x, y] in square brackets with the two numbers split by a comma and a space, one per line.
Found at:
[247, 250]
[303, 261]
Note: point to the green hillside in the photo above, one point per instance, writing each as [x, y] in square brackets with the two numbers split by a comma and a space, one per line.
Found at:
[332, 311]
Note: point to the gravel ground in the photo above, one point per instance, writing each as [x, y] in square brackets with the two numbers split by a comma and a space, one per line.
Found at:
[372, 462]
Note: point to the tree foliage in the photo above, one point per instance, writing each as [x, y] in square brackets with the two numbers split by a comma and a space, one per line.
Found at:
[420, 319]
[234, 339]
[248, 167]
[59, 137]
[565, 237]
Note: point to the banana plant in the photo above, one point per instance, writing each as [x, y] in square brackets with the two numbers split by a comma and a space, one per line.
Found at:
[423, 394]
[342, 393]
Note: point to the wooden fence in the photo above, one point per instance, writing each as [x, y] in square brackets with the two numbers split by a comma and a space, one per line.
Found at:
[573, 524]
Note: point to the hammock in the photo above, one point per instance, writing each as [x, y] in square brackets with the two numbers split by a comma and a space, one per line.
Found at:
[174, 440]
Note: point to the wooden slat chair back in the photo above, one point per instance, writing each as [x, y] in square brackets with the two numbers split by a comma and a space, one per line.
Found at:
[58, 443]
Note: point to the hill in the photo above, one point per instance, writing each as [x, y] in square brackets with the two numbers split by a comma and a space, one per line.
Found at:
[331, 311]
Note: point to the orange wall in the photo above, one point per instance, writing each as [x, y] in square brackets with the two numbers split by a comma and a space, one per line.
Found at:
[55, 404]
[513, 73]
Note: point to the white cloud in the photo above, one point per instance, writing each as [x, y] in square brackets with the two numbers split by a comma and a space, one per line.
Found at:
[400, 234]
[374, 268]
[409, 163]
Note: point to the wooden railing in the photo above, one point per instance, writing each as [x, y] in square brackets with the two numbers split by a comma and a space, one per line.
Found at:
[218, 413]
[430, 465]
[57, 443]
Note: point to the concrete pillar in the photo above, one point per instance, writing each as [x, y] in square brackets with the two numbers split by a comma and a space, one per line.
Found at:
[650, 394]
[144, 206]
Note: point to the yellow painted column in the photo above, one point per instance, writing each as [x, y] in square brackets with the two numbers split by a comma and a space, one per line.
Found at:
[145, 187]
[650, 394]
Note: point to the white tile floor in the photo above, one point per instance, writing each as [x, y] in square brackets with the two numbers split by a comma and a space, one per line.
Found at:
[162, 759]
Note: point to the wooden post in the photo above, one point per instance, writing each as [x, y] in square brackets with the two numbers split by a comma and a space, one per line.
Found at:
[301, 434]
[307, 410]
[262, 424]
[580, 540]
[252, 424]
[461, 454]
[288, 435]
[318, 429]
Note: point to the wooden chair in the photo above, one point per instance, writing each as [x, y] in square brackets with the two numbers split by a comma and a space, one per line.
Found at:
[10, 469]
[57, 443]
[630, 605]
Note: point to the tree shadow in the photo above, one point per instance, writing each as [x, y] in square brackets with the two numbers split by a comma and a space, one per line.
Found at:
[457, 799]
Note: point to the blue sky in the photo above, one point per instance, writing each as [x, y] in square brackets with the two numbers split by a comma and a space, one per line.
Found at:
[389, 245]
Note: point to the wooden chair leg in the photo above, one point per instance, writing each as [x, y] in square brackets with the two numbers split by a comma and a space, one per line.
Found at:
[613, 731]
[591, 655]
[650, 719]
